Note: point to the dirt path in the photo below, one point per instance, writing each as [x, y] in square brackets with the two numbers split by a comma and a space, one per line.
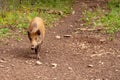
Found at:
[85, 55]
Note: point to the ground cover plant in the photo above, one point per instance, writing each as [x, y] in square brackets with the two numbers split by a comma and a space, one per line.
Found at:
[16, 14]
[107, 18]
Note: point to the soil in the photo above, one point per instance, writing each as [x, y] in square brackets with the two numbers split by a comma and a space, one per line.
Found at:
[68, 53]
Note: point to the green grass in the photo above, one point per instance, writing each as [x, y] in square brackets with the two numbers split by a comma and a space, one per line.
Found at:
[112, 19]
[18, 16]
[108, 19]
[3, 32]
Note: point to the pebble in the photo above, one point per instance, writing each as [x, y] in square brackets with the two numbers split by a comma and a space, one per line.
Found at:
[54, 65]
[2, 61]
[73, 12]
[67, 35]
[116, 70]
[70, 68]
[28, 62]
[101, 62]
[57, 37]
[38, 62]
[90, 65]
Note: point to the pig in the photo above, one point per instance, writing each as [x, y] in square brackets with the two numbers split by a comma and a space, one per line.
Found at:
[36, 34]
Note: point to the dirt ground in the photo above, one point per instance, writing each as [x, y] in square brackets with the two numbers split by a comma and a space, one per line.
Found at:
[83, 55]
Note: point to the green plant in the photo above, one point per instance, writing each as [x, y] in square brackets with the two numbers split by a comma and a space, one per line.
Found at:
[17, 15]
[109, 20]
[3, 32]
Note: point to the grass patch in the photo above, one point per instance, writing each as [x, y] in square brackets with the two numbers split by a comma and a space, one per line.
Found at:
[18, 15]
[4, 32]
[108, 19]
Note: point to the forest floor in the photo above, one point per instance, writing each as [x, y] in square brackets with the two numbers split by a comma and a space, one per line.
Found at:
[69, 52]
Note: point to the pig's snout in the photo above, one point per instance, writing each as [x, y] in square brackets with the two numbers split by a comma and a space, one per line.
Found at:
[32, 47]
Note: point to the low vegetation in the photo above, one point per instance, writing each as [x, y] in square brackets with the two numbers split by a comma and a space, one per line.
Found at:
[108, 19]
[16, 14]
[3, 32]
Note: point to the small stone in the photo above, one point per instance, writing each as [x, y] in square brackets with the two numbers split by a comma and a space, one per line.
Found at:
[73, 12]
[2, 61]
[57, 37]
[69, 68]
[101, 62]
[38, 62]
[90, 65]
[116, 70]
[28, 62]
[67, 35]
[54, 65]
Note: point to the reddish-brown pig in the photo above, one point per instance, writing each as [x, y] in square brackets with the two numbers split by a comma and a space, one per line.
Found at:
[36, 34]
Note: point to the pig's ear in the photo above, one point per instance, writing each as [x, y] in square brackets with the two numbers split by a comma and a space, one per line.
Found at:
[29, 35]
[38, 32]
